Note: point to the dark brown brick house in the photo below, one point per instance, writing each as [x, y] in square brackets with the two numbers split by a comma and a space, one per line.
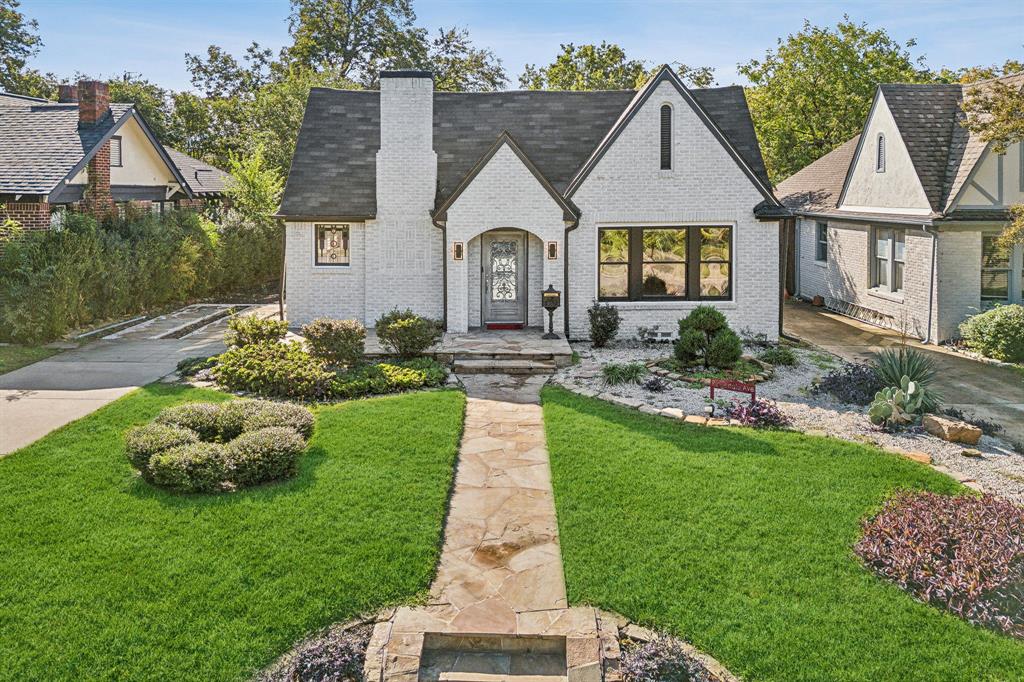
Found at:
[84, 153]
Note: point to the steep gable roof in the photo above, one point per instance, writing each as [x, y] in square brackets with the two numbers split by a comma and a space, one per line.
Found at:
[42, 144]
[333, 171]
[926, 116]
[818, 185]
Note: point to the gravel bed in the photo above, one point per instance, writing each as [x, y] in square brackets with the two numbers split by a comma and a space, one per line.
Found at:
[999, 470]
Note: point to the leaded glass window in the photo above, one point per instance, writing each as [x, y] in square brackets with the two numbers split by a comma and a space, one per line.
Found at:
[332, 244]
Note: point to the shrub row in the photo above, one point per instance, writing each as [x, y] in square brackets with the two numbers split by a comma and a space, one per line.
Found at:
[52, 281]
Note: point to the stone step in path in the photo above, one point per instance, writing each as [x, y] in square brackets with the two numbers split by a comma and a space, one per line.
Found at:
[498, 608]
[475, 365]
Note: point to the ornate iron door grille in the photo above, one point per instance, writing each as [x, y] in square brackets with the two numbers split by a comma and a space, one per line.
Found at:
[504, 270]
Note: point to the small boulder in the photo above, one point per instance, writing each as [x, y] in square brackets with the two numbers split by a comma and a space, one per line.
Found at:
[971, 452]
[951, 429]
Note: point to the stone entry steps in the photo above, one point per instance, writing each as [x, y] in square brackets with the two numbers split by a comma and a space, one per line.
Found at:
[503, 365]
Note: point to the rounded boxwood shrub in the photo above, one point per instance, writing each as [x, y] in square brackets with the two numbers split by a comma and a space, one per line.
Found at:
[997, 333]
[248, 330]
[263, 455]
[267, 414]
[705, 337]
[142, 442]
[339, 342]
[193, 468]
[407, 334]
[199, 417]
[233, 413]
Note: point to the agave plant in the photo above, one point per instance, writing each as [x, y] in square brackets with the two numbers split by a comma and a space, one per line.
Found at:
[897, 406]
[892, 364]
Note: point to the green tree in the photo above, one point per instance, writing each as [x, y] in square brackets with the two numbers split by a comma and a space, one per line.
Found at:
[458, 66]
[973, 74]
[19, 42]
[813, 92]
[351, 38]
[602, 67]
[995, 111]
[219, 74]
[255, 187]
[150, 100]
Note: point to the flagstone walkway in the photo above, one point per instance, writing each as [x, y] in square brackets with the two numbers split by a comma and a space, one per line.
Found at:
[498, 605]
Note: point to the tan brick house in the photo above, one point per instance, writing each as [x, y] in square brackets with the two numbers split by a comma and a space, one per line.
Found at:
[85, 153]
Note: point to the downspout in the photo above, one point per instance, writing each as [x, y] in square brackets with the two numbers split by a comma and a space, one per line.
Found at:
[444, 269]
[932, 282]
[569, 227]
[284, 271]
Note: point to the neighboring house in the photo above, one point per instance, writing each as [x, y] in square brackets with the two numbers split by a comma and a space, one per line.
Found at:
[466, 206]
[84, 153]
[897, 226]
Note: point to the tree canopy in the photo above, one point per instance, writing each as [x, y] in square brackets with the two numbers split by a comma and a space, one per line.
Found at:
[813, 91]
[602, 67]
[19, 42]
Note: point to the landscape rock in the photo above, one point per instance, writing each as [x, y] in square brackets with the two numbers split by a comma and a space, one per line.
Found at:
[971, 452]
[951, 430]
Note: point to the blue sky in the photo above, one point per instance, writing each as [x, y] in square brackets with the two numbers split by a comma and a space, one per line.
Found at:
[105, 37]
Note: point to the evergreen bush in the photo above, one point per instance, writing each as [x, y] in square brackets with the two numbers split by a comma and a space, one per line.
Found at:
[705, 337]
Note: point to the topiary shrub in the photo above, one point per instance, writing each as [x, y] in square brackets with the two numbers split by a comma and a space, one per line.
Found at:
[661, 660]
[407, 334]
[193, 468]
[247, 330]
[964, 554]
[282, 370]
[142, 442]
[997, 333]
[202, 418]
[705, 337]
[262, 455]
[604, 323]
[339, 342]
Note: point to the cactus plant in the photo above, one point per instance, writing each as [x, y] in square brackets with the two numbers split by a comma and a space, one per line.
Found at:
[897, 405]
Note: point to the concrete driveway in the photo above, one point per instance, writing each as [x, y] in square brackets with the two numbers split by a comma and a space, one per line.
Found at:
[988, 391]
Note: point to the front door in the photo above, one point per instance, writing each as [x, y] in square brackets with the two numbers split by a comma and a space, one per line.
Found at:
[503, 261]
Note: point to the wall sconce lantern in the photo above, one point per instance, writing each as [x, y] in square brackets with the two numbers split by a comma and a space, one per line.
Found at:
[551, 300]
[458, 250]
[552, 250]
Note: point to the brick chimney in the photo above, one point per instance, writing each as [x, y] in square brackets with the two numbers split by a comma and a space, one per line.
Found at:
[67, 93]
[94, 106]
[93, 101]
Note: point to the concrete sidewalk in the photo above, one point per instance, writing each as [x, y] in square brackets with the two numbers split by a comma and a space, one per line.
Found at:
[979, 389]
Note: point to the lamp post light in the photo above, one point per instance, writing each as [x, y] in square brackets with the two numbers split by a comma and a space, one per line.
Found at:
[551, 300]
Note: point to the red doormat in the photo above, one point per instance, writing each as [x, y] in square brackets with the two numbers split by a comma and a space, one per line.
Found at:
[503, 325]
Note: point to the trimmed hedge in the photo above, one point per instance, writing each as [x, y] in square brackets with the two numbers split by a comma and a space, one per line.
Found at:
[263, 455]
[997, 333]
[142, 442]
[278, 370]
[248, 330]
[234, 444]
[193, 468]
[407, 334]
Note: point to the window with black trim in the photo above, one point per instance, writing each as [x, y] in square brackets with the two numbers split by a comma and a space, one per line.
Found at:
[665, 263]
[666, 137]
[332, 244]
[995, 271]
[880, 154]
[821, 242]
[115, 152]
[888, 255]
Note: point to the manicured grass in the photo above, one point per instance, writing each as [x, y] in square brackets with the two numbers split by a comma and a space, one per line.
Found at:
[741, 541]
[104, 577]
[14, 356]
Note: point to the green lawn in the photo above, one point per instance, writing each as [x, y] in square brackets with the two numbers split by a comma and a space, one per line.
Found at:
[105, 577]
[741, 542]
[12, 357]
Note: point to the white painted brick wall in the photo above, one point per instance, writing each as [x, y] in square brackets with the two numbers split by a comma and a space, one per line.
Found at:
[504, 194]
[705, 186]
[846, 279]
[323, 291]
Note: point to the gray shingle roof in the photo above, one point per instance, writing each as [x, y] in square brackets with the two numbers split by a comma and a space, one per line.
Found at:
[333, 172]
[818, 185]
[202, 178]
[41, 142]
[926, 115]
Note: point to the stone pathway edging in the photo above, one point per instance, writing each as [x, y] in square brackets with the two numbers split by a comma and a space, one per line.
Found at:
[701, 420]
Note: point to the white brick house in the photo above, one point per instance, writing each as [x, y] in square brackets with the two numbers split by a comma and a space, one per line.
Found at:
[465, 206]
[898, 225]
